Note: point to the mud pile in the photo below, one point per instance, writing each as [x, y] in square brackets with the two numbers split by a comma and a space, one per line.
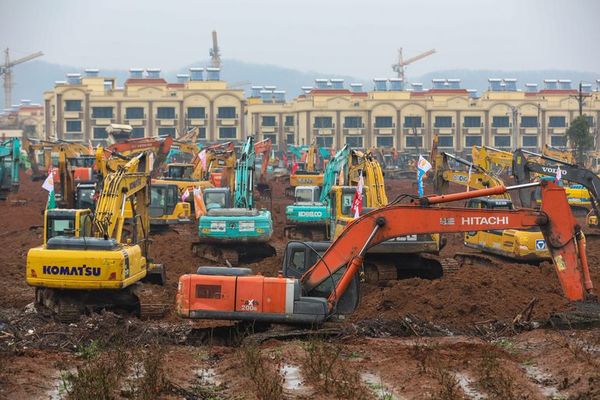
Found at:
[474, 294]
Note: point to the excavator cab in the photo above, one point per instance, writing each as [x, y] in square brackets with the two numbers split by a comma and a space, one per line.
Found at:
[216, 198]
[180, 171]
[165, 207]
[85, 194]
[307, 194]
[300, 256]
[65, 222]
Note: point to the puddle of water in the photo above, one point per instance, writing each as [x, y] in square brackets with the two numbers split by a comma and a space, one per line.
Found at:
[208, 376]
[466, 384]
[292, 380]
[542, 380]
[378, 388]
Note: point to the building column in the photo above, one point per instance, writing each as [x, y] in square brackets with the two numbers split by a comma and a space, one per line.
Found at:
[338, 129]
[369, 131]
[398, 134]
[308, 129]
[150, 127]
[280, 144]
[545, 138]
[87, 120]
[181, 123]
[48, 118]
[244, 134]
[458, 145]
[210, 135]
[59, 116]
[256, 123]
[428, 134]
[487, 131]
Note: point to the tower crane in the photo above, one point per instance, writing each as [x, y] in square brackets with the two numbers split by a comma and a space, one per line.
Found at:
[399, 66]
[215, 52]
[6, 72]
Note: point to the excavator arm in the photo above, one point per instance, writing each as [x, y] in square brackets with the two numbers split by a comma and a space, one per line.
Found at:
[159, 147]
[127, 182]
[479, 178]
[562, 233]
[523, 168]
[333, 169]
[486, 157]
[244, 176]
[264, 147]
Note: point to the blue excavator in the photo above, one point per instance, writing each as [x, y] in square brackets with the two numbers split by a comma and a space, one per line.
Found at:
[10, 152]
[232, 228]
[308, 217]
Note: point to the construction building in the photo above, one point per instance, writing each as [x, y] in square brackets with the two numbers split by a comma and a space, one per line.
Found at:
[24, 119]
[392, 115]
[80, 108]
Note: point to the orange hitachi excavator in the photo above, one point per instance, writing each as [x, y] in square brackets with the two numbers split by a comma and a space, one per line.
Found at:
[330, 285]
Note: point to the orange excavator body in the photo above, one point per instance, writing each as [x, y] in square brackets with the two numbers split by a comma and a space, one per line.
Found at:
[228, 294]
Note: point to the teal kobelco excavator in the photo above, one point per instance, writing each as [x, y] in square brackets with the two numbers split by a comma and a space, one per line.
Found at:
[308, 217]
[10, 152]
[234, 229]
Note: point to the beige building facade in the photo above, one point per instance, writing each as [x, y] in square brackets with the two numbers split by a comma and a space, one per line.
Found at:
[407, 119]
[24, 119]
[390, 116]
[81, 108]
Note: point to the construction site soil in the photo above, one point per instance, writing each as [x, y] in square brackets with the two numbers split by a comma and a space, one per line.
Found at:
[476, 305]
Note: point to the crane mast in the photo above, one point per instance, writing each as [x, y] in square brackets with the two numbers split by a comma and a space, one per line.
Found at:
[399, 66]
[6, 72]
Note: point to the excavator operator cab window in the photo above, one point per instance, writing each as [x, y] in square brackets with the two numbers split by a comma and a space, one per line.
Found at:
[85, 198]
[215, 200]
[305, 195]
[60, 225]
[175, 171]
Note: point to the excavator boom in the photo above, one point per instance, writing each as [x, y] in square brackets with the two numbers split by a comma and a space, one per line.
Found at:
[243, 296]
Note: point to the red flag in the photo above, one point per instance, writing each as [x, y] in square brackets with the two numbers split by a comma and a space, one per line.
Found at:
[285, 160]
[358, 198]
[294, 168]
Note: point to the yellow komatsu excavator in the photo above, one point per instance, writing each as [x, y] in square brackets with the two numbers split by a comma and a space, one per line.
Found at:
[519, 245]
[90, 262]
[397, 257]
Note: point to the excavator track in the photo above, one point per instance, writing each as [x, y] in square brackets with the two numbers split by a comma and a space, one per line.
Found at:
[449, 266]
[151, 300]
[469, 258]
[67, 311]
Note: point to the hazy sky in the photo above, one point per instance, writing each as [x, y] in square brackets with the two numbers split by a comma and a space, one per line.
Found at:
[350, 37]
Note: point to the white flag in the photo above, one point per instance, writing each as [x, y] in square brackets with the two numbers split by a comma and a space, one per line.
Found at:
[558, 175]
[49, 182]
[423, 164]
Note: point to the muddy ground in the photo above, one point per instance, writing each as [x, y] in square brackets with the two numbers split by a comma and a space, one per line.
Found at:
[451, 338]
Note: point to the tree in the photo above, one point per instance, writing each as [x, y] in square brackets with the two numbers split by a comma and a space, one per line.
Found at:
[580, 138]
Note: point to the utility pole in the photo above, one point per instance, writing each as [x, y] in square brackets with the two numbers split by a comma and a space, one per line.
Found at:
[580, 97]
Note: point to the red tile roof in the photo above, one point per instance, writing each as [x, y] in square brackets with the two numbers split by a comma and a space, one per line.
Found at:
[175, 85]
[338, 91]
[145, 81]
[552, 91]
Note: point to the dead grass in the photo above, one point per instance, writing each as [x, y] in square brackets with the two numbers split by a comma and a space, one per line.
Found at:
[329, 373]
[449, 389]
[267, 382]
[495, 380]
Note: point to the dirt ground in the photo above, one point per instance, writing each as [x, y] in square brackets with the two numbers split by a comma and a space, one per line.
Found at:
[451, 338]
